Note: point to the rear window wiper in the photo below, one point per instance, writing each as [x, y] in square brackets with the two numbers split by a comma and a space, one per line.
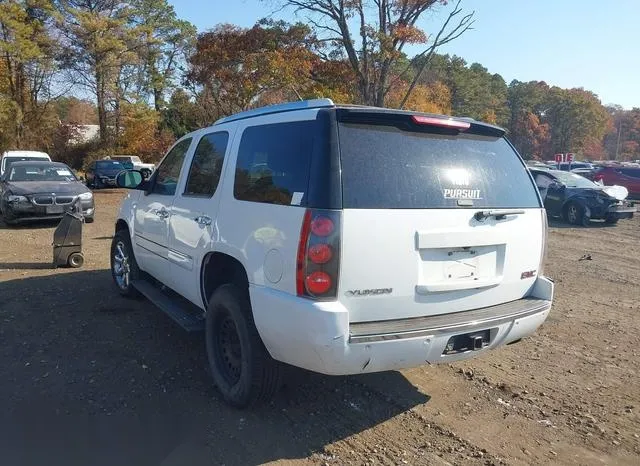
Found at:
[498, 214]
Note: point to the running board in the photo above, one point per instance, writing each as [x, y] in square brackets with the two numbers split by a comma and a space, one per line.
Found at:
[173, 307]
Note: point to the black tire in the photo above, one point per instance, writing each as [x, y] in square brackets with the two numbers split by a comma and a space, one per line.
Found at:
[125, 286]
[75, 260]
[575, 214]
[88, 219]
[8, 217]
[242, 369]
[611, 220]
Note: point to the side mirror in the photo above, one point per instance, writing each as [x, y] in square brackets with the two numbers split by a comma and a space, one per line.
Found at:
[129, 179]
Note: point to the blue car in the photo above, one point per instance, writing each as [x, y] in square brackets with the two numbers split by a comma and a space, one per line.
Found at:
[578, 200]
[102, 173]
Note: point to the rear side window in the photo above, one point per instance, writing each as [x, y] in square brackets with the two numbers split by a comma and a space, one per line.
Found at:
[206, 166]
[273, 163]
[385, 167]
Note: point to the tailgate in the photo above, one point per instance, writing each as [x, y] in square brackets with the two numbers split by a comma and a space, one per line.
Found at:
[420, 263]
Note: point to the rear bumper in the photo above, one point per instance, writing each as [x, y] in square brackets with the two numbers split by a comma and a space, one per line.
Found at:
[318, 336]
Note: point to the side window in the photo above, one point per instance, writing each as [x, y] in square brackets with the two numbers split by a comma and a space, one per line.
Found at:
[273, 163]
[168, 172]
[206, 166]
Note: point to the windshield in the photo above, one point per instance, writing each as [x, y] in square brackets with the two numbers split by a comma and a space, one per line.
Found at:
[572, 180]
[42, 172]
[109, 165]
[384, 167]
[11, 160]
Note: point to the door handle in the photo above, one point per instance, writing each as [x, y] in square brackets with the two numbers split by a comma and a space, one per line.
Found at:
[162, 213]
[203, 220]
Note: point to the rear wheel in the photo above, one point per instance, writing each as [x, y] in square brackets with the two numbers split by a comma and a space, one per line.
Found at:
[124, 268]
[241, 367]
[575, 214]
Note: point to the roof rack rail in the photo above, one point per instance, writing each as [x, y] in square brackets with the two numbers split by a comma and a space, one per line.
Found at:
[278, 108]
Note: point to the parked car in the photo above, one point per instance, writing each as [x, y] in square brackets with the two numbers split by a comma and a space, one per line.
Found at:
[12, 156]
[565, 166]
[102, 173]
[42, 191]
[339, 239]
[629, 177]
[578, 200]
[133, 162]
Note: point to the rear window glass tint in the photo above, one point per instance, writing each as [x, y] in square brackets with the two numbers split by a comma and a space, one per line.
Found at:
[273, 163]
[384, 167]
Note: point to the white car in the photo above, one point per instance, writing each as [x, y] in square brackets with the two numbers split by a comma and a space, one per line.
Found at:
[21, 156]
[338, 239]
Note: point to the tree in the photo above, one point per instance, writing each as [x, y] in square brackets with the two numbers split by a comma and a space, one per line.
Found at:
[141, 135]
[575, 117]
[98, 44]
[529, 135]
[236, 67]
[26, 50]
[384, 28]
[166, 43]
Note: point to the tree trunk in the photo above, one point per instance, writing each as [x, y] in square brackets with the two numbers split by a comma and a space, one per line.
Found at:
[102, 111]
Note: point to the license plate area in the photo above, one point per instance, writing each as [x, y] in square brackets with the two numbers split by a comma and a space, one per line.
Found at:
[473, 341]
[55, 209]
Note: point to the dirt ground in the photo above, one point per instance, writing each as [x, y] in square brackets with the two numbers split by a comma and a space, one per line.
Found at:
[89, 378]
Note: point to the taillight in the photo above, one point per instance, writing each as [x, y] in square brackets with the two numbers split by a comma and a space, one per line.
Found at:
[545, 232]
[441, 122]
[318, 258]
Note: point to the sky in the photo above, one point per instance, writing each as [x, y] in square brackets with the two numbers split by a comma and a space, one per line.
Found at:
[567, 43]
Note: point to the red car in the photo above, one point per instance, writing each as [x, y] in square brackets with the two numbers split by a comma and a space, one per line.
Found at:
[628, 177]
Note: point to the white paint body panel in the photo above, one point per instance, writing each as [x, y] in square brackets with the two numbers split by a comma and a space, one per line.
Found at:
[419, 255]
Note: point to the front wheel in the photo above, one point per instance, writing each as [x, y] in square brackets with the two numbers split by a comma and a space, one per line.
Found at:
[124, 268]
[575, 214]
[611, 220]
[241, 367]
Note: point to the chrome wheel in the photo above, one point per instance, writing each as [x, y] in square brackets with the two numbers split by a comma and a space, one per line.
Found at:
[121, 266]
[573, 214]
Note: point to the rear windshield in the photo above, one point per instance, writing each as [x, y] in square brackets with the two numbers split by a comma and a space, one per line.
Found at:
[385, 167]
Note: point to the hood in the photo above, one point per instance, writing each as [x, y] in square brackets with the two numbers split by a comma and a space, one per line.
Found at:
[618, 192]
[22, 188]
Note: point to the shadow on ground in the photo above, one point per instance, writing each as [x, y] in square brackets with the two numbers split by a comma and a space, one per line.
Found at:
[87, 377]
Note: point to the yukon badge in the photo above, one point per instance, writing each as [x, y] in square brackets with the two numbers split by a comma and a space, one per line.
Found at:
[373, 292]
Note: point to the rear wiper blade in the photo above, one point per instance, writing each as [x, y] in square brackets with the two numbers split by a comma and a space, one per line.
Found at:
[498, 214]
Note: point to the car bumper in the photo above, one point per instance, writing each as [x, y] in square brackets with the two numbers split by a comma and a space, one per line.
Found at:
[25, 211]
[622, 211]
[318, 336]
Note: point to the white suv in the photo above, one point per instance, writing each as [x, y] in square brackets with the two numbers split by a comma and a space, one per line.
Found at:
[339, 239]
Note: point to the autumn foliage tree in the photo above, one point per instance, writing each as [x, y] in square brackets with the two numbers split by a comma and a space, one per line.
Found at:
[372, 36]
[236, 67]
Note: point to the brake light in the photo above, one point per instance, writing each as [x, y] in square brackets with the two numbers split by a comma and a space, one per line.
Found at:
[322, 226]
[318, 283]
[441, 122]
[318, 255]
